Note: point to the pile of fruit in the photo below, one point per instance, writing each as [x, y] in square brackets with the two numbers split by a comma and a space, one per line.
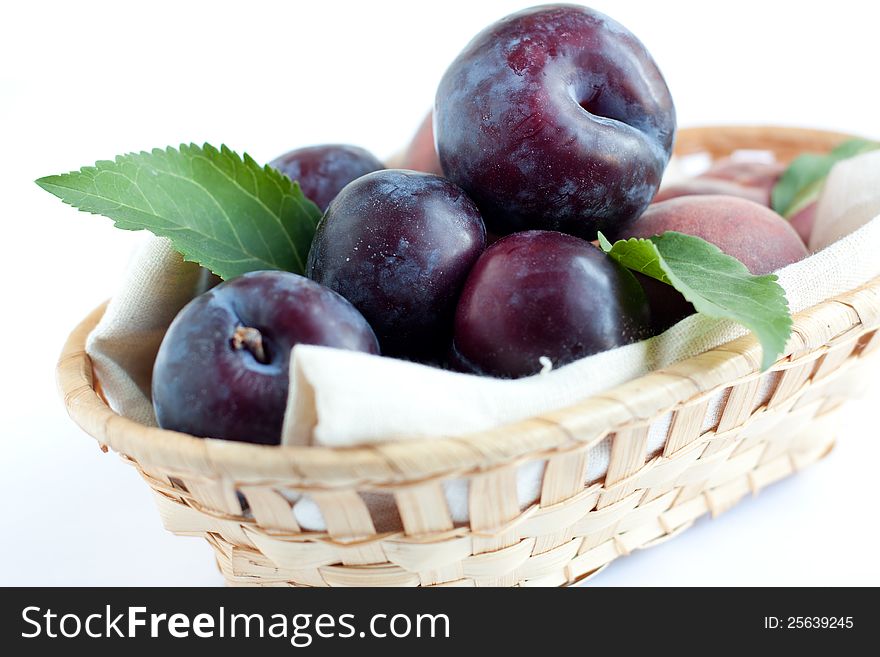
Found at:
[488, 254]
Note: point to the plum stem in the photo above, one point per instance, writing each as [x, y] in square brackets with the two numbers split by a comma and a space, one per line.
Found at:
[246, 337]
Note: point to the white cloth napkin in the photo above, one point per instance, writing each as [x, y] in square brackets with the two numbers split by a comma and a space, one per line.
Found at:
[850, 199]
[157, 284]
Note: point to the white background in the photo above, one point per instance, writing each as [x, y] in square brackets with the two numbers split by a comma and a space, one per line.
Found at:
[84, 81]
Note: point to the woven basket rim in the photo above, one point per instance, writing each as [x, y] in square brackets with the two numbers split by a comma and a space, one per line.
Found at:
[531, 438]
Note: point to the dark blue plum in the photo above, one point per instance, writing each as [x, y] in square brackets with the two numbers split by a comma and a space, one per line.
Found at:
[555, 118]
[222, 368]
[399, 244]
[322, 171]
[544, 294]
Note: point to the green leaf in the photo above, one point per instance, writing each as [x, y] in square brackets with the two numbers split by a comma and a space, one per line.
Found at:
[219, 209]
[717, 284]
[802, 181]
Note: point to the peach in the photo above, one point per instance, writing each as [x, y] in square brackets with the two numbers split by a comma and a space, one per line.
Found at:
[746, 179]
[421, 155]
[744, 172]
[802, 221]
[758, 237]
[711, 187]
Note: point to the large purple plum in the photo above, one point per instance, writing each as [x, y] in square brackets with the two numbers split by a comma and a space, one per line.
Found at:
[555, 118]
[322, 171]
[222, 368]
[399, 245]
[544, 294]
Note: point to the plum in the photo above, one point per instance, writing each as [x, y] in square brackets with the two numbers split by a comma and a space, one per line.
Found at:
[753, 234]
[543, 294]
[555, 118]
[322, 171]
[222, 367]
[398, 245]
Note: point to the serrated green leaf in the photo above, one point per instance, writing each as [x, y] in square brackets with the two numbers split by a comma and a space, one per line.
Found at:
[802, 181]
[632, 254]
[716, 284]
[219, 209]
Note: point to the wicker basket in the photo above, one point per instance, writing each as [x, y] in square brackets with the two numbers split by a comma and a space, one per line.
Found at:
[237, 495]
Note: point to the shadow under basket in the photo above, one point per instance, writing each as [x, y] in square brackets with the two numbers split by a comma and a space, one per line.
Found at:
[238, 496]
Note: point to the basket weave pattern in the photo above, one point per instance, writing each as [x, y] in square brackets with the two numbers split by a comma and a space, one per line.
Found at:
[237, 495]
